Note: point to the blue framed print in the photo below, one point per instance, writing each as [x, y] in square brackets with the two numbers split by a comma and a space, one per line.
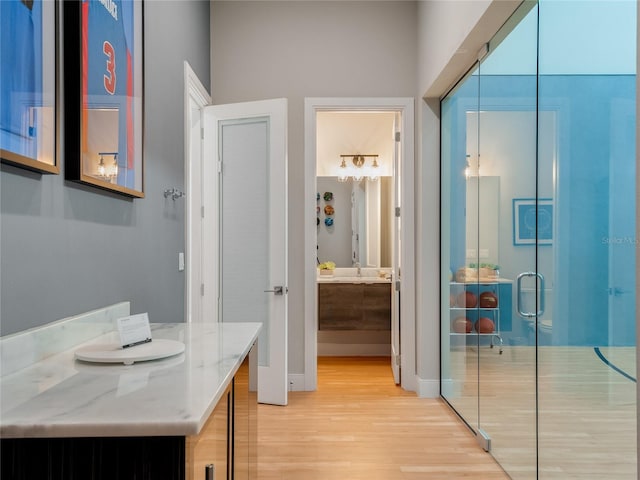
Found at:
[526, 218]
[28, 84]
[103, 86]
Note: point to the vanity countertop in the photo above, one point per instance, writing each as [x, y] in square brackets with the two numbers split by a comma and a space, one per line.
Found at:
[355, 279]
[350, 275]
[60, 396]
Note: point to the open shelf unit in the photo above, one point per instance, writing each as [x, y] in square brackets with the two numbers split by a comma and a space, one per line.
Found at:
[468, 307]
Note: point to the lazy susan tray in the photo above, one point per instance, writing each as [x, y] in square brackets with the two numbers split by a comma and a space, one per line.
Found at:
[114, 353]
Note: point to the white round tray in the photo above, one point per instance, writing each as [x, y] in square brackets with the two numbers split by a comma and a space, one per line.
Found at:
[114, 353]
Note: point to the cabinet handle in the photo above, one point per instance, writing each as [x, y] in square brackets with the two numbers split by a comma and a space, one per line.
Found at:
[519, 294]
[209, 472]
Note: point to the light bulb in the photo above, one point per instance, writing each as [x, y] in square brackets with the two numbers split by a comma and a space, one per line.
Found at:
[101, 167]
[114, 167]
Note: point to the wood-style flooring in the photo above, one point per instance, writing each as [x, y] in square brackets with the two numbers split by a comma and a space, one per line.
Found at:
[584, 410]
[359, 425]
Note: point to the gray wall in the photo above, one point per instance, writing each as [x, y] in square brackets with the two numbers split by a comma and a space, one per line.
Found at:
[65, 248]
[334, 242]
[268, 49]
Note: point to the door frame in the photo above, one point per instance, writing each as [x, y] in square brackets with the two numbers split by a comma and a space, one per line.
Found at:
[404, 105]
[195, 92]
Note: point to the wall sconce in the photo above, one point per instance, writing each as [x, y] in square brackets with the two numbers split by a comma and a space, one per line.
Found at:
[359, 170]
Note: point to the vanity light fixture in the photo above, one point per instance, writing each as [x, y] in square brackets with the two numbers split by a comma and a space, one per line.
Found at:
[112, 172]
[472, 170]
[101, 168]
[359, 169]
[114, 167]
[344, 176]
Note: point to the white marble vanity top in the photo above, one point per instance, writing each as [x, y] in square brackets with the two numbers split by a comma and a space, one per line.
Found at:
[59, 396]
[350, 275]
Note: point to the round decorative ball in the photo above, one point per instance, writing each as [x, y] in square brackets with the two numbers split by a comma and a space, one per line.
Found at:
[488, 300]
[467, 299]
[462, 325]
[485, 325]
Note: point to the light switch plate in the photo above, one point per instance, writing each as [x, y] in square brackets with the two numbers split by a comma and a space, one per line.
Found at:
[180, 261]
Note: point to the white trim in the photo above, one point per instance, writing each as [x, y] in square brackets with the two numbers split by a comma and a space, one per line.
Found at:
[195, 91]
[405, 105]
[296, 382]
[428, 388]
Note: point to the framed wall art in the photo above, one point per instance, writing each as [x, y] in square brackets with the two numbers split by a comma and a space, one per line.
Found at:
[28, 86]
[103, 106]
[525, 219]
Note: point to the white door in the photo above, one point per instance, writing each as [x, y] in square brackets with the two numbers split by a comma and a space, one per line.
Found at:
[395, 279]
[245, 192]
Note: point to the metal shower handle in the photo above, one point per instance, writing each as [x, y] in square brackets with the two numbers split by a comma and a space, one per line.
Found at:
[519, 294]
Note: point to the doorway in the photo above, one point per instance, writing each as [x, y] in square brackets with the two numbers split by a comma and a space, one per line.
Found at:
[362, 253]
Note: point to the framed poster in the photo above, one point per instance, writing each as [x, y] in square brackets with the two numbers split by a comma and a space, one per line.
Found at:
[103, 45]
[28, 49]
[526, 217]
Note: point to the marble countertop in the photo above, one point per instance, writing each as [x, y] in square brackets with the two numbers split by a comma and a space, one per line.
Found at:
[350, 275]
[64, 397]
[354, 279]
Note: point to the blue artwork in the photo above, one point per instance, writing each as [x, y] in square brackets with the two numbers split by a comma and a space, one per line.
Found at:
[524, 221]
[27, 84]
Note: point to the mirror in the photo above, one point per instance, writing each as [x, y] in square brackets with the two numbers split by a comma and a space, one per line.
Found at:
[360, 222]
[483, 227]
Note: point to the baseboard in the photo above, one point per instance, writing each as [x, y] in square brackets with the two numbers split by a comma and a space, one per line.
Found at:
[296, 382]
[428, 388]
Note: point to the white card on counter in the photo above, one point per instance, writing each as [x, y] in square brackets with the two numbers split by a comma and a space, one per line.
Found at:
[134, 330]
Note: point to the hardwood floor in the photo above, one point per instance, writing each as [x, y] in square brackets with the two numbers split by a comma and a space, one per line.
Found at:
[586, 411]
[359, 425]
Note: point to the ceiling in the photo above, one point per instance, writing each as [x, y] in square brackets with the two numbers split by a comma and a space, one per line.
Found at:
[351, 133]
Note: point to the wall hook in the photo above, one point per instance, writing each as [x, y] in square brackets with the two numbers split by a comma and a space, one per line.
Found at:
[174, 193]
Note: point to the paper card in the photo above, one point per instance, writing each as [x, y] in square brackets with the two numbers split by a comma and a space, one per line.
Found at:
[134, 330]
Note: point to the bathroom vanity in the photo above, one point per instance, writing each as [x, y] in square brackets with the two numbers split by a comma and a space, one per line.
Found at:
[189, 416]
[349, 300]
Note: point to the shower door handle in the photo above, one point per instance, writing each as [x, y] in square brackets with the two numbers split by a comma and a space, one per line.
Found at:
[540, 311]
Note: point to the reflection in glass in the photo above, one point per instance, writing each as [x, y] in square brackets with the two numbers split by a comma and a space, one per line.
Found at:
[558, 130]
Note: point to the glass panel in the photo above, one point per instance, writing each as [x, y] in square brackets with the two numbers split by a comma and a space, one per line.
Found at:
[245, 269]
[506, 165]
[586, 335]
[459, 247]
